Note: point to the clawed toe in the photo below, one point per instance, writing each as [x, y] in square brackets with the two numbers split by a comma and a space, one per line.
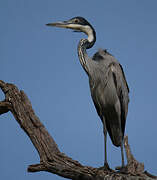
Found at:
[121, 169]
[106, 168]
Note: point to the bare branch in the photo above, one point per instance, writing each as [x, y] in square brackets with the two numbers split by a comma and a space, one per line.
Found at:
[51, 159]
[5, 107]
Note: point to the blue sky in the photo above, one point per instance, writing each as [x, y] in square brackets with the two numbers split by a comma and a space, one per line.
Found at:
[43, 62]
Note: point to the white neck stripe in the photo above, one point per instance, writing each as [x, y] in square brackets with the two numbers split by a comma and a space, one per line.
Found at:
[86, 29]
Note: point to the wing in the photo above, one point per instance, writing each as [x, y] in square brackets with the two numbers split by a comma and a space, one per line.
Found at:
[122, 91]
[93, 88]
[108, 66]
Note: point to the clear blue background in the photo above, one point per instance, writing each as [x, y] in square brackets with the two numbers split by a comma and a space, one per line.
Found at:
[43, 62]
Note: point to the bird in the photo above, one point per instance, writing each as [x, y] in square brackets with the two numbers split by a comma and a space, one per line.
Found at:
[108, 86]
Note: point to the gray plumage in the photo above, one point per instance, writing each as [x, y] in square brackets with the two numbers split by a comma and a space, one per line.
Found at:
[109, 91]
[108, 85]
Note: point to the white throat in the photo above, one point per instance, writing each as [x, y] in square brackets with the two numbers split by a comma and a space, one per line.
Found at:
[86, 29]
[89, 31]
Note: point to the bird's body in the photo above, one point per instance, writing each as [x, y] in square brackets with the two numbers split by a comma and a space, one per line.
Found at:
[108, 86]
[108, 95]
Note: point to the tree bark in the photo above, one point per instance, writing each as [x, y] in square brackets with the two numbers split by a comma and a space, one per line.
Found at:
[51, 159]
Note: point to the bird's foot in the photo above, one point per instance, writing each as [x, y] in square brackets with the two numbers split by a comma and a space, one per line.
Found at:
[106, 168]
[122, 169]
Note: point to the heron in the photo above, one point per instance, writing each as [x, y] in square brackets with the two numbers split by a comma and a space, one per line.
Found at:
[108, 85]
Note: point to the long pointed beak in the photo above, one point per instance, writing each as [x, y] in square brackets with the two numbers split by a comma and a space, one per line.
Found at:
[66, 24]
[63, 24]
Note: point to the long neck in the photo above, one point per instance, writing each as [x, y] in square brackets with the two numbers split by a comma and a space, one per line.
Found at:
[82, 53]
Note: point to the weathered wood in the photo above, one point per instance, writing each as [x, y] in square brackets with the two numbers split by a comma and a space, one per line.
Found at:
[51, 159]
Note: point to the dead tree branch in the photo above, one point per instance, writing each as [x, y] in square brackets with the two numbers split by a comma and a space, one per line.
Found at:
[51, 159]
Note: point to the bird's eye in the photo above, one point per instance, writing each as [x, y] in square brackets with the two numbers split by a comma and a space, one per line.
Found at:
[76, 20]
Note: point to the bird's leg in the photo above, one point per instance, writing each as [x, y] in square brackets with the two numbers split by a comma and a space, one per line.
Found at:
[123, 167]
[106, 166]
[122, 153]
[105, 147]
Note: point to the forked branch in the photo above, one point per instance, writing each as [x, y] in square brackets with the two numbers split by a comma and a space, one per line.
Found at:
[51, 159]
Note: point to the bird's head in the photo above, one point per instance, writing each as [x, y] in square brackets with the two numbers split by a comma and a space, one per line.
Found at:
[78, 24]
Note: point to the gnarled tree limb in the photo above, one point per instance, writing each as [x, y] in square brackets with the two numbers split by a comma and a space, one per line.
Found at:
[51, 159]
